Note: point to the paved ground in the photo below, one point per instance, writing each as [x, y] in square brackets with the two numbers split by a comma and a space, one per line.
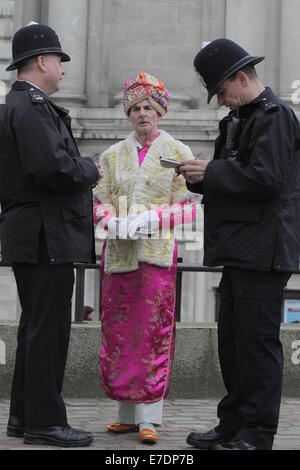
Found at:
[180, 418]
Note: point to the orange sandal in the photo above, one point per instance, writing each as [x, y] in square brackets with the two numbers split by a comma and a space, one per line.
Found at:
[122, 428]
[148, 435]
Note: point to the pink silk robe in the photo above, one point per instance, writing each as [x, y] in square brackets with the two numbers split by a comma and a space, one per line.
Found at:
[138, 332]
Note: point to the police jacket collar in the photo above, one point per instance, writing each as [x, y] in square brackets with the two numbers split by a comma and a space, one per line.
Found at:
[21, 85]
[267, 100]
[266, 94]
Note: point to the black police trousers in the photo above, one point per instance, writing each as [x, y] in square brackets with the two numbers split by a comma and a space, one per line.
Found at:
[45, 294]
[250, 353]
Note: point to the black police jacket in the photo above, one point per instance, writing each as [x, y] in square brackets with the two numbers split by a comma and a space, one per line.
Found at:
[44, 182]
[252, 202]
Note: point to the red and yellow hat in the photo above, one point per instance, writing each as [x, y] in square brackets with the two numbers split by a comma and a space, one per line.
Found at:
[146, 86]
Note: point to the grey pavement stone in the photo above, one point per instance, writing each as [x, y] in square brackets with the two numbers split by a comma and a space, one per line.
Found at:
[180, 418]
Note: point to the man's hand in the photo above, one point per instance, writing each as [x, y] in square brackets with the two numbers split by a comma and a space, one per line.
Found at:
[193, 170]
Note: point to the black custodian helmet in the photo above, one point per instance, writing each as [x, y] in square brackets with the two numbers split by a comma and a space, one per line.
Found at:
[33, 40]
[218, 60]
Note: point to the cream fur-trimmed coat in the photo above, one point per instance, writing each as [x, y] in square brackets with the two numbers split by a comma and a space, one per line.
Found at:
[129, 189]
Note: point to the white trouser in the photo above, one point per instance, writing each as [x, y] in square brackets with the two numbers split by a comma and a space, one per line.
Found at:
[136, 413]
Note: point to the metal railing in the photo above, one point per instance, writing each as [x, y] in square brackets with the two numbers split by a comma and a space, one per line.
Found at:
[181, 267]
[80, 281]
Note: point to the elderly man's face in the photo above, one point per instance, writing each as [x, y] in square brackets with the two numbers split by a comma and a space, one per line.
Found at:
[143, 117]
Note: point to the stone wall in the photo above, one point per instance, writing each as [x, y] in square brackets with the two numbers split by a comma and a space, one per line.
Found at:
[196, 370]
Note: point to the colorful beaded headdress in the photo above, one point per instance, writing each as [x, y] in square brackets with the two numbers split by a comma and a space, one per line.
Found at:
[146, 86]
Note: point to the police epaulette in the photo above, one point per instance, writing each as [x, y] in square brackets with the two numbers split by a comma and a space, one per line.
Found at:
[36, 97]
[268, 106]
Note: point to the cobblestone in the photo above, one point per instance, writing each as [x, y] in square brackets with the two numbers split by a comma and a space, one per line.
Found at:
[180, 418]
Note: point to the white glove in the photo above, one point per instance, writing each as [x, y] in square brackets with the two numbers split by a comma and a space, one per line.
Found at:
[118, 227]
[147, 221]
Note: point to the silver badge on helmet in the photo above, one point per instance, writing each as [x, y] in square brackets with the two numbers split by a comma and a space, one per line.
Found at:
[204, 44]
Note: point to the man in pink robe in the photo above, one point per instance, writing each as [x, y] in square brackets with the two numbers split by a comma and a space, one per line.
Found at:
[138, 269]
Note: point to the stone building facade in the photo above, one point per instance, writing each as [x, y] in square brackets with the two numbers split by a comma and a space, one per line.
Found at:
[112, 40]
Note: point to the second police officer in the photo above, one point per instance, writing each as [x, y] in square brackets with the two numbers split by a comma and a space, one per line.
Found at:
[251, 204]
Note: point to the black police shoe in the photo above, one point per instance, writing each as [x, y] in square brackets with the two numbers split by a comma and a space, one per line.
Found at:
[15, 427]
[62, 436]
[236, 444]
[208, 439]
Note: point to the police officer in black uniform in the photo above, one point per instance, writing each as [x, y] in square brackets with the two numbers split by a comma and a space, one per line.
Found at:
[251, 227]
[46, 225]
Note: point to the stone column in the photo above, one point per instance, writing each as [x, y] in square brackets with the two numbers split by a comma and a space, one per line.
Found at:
[69, 18]
[6, 32]
[289, 58]
[245, 24]
[99, 33]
